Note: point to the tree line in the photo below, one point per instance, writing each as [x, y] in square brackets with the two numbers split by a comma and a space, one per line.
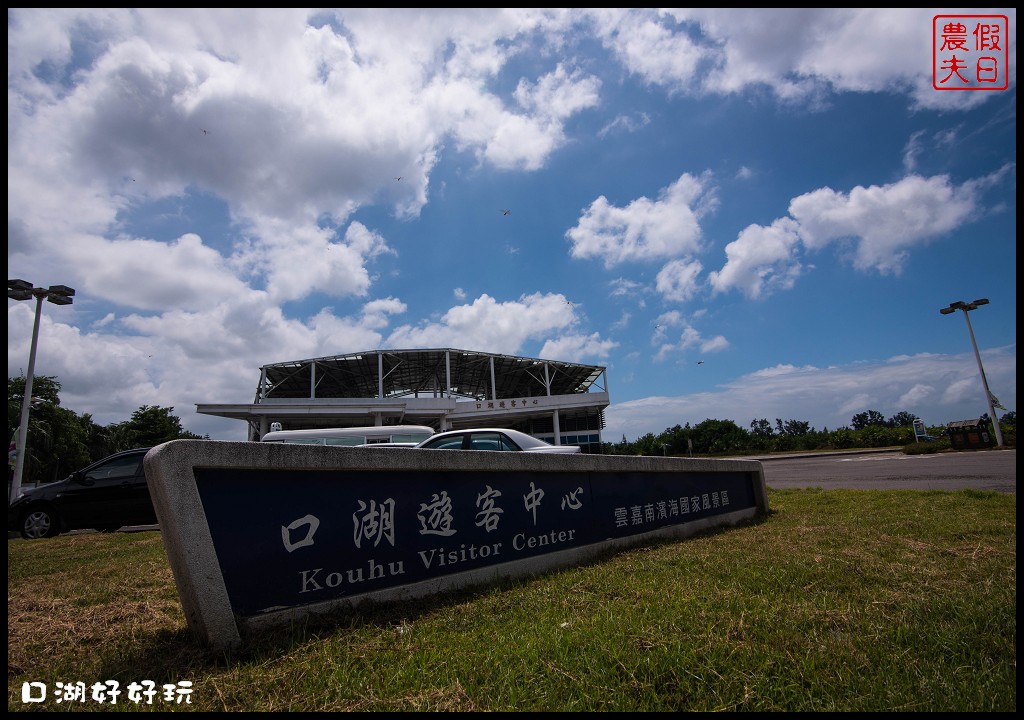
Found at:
[60, 441]
[869, 429]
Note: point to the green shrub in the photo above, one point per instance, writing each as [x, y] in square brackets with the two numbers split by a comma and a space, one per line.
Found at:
[927, 446]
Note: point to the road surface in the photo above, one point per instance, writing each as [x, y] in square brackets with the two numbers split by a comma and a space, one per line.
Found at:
[892, 470]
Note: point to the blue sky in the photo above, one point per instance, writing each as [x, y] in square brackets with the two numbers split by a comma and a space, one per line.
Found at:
[741, 215]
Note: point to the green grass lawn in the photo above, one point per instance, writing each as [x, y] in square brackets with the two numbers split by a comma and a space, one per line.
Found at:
[839, 600]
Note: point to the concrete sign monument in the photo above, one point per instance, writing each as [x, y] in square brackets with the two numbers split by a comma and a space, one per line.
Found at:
[263, 534]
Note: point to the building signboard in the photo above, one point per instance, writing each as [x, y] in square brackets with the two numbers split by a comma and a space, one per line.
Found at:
[260, 534]
[337, 534]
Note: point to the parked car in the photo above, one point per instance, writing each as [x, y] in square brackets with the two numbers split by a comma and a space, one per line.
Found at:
[492, 439]
[391, 435]
[105, 496]
[388, 445]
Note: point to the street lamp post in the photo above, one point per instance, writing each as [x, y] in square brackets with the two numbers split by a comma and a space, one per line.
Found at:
[58, 295]
[967, 307]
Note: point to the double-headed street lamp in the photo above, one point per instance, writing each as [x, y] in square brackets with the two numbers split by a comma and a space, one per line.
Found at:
[967, 307]
[58, 295]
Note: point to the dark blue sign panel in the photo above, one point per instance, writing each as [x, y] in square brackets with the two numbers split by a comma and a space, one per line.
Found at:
[288, 538]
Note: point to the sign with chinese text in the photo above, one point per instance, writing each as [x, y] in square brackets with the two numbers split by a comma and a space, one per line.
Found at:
[333, 534]
[261, 534]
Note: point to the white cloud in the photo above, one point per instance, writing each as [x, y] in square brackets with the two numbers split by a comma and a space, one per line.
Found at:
[715, 344]
[689, 337]
[299, 260]
[625, 123]
[502, 327]
[760, 260]
[677, 280]
[916, 395]
[912, 151]
[651, 48]
[624, 286]
[578, 348]
[886, 220]
[377, 313]
[800, 54]
[150, 275]
[644, 229]
[883, 222]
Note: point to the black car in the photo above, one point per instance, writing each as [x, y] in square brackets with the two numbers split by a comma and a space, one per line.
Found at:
[105, 496]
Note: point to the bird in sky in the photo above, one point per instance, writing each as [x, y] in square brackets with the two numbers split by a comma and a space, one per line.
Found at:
[205, 131]
[700, 362]
[398, 178]
[505, 212]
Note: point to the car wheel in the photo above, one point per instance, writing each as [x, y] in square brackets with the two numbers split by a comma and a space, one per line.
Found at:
[39, 523]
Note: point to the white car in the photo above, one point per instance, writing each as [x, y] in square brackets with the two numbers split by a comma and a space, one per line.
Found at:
[492, 439]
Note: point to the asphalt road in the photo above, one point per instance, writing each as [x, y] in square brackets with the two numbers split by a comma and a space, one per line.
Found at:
[892, 470]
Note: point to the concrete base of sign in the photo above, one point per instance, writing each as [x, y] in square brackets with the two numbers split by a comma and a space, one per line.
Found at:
[259, 535]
